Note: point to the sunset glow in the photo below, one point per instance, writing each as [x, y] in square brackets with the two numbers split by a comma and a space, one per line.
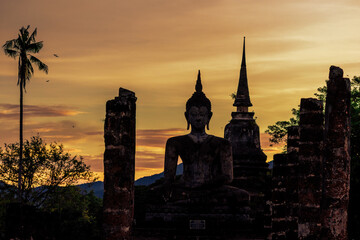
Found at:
[154, 48]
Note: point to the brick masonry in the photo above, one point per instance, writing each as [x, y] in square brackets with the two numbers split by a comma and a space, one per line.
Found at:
[119, 166]
[336, 157]
[310, 184]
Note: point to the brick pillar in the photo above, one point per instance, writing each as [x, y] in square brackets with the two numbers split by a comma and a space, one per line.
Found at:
[336, 156]
[292, 181]
[285, 190]
[310, 168]
[119, 166]
[293, 139]
[279, 210]
[284, 202]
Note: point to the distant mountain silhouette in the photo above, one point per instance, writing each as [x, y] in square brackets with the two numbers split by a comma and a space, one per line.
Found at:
[98, 187]
[146, 181]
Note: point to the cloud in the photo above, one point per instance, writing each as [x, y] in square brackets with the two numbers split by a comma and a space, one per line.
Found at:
[11, 111]
[95, 161]
[155, 49]
[150, 145]
[150, 149]
[146, 163]
[156, 137]
[149, 157]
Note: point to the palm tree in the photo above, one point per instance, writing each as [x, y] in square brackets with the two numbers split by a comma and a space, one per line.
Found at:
[21, 47]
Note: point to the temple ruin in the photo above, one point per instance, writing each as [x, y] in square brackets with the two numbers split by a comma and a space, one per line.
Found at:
[306, 197]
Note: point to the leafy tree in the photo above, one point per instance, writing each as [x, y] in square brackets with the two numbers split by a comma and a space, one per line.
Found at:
[45, 168]
[278, 131]
[21, 47]
[78, 215]
[68, 213]
[354, 208]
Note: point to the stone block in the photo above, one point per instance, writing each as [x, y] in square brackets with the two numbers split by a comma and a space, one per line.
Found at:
[310, 105]
[312, 118]
[309, 197]
[310, 150]
[307, 168]
[309, 214]
[311, 134]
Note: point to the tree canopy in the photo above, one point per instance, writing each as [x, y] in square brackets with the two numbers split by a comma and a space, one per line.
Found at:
[45, 168]
[21, 47]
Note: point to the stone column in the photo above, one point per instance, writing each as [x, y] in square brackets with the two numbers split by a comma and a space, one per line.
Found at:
[310, 168]
[279, 197]
[285, 190]
[119, 166]
[337, 156]
[292, 181]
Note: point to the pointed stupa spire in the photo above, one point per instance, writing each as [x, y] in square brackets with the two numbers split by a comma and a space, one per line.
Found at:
[243, 61]
[198, 86]
[242, 99]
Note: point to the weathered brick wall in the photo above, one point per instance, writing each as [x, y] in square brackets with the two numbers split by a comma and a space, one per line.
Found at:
[293, 139]
[336, 156]
[285, 190]
[310, 168]
[311, 183]
[119, 166]
[279, 207]
[292, 181]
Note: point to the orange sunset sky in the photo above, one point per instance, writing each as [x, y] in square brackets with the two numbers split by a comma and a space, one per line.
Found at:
[154, 48]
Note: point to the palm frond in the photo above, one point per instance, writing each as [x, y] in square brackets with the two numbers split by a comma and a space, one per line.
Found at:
[26, 71]
[32, 37]
[34, 47]
[42, 66]
[25, 34]
[20, 42]
[29, 67]
[11, 53]
[28, 74]
[21, 47]
[9, 44]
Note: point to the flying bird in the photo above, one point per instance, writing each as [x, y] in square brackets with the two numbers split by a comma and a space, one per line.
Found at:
[56, 55]
[47, 80]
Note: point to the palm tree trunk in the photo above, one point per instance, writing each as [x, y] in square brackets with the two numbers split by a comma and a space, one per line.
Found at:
[21, 143]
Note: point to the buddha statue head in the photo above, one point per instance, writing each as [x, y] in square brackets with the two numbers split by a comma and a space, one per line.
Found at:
[198, 109]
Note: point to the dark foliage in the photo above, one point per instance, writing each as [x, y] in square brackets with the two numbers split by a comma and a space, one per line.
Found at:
[45, 167]
[52, 207]
[68, 214]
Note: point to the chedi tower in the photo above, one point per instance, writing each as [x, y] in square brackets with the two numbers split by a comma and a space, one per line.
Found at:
[248, 159]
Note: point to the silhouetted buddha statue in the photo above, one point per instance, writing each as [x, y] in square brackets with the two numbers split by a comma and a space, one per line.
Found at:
[207, 160]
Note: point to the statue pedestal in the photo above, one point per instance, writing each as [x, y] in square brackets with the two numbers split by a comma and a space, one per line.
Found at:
[184, 221]
[207, 212]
